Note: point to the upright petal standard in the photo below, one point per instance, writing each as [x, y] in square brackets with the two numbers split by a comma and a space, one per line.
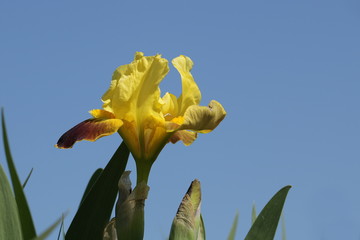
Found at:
[146, 122]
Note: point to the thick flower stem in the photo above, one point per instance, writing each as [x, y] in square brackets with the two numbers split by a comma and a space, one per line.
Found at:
[142, 171]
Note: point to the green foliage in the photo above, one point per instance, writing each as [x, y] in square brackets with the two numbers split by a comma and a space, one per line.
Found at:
[47, 232]
[10, 227]
[98, 201]
[91, 182]
[27, 225]
[95, 210]
[15, 218]
[265, 225]
[233, 227]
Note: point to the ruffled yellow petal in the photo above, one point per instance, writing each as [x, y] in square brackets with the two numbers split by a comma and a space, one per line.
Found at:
[187, 137]
[90, 130]
[200, 119]
[134, 97]
[191, 94]
[134, 93]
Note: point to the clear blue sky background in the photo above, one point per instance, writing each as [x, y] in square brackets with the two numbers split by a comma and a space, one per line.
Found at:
[287, 73]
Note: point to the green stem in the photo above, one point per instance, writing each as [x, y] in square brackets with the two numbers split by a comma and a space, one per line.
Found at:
[142, 171]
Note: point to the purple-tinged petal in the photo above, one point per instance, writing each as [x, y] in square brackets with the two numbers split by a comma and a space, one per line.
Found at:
[90, 130]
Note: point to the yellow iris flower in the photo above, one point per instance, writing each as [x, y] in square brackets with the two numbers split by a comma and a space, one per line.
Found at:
[146, 122]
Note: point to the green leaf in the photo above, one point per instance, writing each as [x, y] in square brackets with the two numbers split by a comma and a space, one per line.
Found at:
[265, 225]
[27, 225]
[47, 232]
[92, 181]
[27, 178]
[95, 211]
[10, 227]
[234, 227]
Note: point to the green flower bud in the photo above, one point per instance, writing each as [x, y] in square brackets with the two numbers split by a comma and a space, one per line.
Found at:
[188, 223]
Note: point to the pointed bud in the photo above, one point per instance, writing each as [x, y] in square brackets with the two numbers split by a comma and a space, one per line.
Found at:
[188, 223]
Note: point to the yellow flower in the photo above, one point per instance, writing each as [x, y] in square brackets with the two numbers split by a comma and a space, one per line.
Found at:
[146, 122]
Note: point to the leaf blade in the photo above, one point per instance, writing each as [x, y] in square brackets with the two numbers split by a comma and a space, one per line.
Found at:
[234, 227]
[265, 225]
[91, 183]
[49, 230]
[27, 224]
[95, 211]
[10, 226]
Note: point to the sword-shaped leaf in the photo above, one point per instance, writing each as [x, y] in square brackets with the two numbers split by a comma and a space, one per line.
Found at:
[10, 227]
[27, 225]
[233, 227]
[95, 210]
[265, 225]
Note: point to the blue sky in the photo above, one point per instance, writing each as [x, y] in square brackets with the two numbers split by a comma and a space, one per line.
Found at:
[287, 72]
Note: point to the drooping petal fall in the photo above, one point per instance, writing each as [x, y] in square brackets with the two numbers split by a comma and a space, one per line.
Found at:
[199, 118]
[103, 124]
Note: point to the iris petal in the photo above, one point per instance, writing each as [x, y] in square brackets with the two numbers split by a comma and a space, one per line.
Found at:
[191, 94]
[134, 93]
[90, 129]
[200, 119]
